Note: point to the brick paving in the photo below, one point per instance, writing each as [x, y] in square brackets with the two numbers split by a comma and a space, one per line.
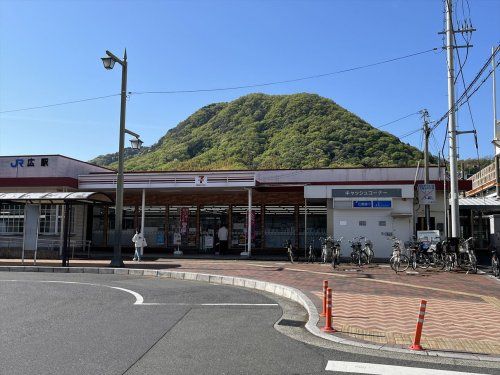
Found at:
[375, 304]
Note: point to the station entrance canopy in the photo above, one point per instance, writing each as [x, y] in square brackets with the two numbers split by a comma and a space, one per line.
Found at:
[56, 197]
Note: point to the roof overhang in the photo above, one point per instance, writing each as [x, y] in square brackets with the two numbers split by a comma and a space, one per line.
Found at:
[56, 197]
[478, 203]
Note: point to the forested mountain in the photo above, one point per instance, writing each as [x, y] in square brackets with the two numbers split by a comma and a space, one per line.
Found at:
[259, 131]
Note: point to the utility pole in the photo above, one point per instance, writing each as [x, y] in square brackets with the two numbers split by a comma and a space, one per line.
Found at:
[496, 125]
[452, 127]
[427, 133]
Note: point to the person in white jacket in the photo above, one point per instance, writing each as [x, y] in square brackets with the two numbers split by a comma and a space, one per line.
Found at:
[139, 241]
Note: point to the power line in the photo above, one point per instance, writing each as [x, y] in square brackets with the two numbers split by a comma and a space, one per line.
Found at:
[459, 102]
[410, 133]
[399, 119]
[59, 104]
[229, 88]
[284, 81]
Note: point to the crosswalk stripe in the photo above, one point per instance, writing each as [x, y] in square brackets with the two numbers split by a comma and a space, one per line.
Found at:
[378, 369]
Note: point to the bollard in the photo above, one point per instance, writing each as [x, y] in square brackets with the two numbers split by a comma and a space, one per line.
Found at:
[325, 287]
[418, 330]
[328, 319]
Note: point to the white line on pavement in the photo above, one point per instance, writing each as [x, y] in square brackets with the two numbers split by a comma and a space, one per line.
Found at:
[138, 298]
[377, 369]
[209, 304]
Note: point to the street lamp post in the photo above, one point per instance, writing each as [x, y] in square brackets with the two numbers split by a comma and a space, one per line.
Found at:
[109, 61]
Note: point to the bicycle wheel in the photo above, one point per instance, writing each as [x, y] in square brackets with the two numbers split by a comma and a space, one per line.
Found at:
[424, 261]
[413, 261]
[472, 264]
[438, 262]
[399, 263]
[362, 259]
[495, 268]
[369, 255]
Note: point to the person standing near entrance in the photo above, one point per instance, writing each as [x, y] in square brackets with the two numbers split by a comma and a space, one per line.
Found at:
[222, 235]
[139, 241]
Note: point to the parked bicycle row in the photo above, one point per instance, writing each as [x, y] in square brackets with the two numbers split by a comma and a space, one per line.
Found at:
[448, 255]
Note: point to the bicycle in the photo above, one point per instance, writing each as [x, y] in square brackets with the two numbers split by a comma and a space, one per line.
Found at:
[495, 263]
[290, 251]
[418, 256]
[368, 250]
[311, 256]
[358, 256]
[326, 249]
[336, 252]
[399, 261]
[466, 257]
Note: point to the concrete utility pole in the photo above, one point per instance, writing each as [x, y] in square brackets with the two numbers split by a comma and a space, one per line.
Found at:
[496, 125]
[452, 128]
[427, 133]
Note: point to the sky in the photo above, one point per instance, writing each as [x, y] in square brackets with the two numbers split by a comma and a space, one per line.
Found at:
[50, 53]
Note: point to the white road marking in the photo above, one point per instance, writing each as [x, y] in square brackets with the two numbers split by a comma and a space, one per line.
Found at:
[209, 304]
[138, 298]
[377, 369]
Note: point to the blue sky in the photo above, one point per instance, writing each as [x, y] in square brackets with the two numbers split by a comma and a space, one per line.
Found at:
[50, 52]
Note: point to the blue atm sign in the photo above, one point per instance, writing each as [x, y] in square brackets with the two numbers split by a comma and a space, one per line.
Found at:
[362, 204]
[372, 204]
[382, 204]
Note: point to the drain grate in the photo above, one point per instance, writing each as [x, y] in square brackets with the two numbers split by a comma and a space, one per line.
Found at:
[291, 323]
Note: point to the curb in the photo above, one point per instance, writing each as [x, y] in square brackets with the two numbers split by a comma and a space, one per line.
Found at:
[278, 289]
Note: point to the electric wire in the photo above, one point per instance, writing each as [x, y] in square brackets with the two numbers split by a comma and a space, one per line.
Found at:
[59, 104]
[284, 81]
[459, 102]
[227, 88]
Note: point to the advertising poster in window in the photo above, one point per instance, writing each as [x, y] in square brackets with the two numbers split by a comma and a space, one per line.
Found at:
[184, 219]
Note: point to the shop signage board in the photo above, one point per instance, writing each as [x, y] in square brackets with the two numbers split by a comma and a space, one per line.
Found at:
[372, 204]
[426, 193]
[429, 235]
[366, 193]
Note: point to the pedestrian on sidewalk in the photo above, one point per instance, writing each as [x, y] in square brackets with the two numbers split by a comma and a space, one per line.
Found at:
[139, 243]
[222, 235]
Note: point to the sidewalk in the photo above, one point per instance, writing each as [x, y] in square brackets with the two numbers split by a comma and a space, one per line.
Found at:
[373, 304]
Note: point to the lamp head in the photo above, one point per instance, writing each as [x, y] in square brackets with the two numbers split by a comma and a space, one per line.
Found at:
[136, 143]
[108, 62]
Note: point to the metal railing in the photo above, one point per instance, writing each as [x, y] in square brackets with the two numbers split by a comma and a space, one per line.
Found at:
[16, 242]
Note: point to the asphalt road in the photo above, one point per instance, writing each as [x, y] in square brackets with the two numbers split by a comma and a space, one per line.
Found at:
[98, 324]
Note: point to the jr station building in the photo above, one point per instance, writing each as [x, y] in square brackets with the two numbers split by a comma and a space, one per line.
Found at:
[41, 196]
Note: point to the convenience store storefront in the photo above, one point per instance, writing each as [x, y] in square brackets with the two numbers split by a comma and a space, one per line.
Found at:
[185, 210]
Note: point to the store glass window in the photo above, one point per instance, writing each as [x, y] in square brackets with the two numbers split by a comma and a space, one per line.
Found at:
[182, 226]
[211, 219]
[240, 224]
[50, 218]
[11, 218]
[154, 225]
[128, 227]
[98, 226]
[279, 225]
[316, 225]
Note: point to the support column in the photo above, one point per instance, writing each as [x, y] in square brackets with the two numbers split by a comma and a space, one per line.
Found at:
[105, 226]
[248, 251]
[262, 227]
[305, 227]
[297, 228]
[64, 256]
[143, 217]
[167, 209]
[197, 243]
[230, 227]
[329, 217]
